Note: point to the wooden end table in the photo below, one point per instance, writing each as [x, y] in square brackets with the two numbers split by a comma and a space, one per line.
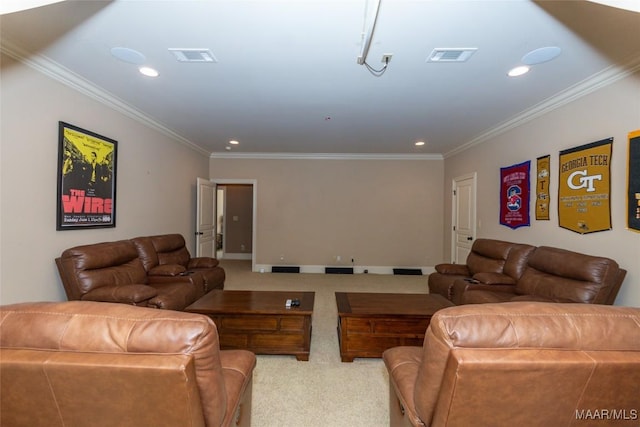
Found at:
[370, 323]
[259, 321]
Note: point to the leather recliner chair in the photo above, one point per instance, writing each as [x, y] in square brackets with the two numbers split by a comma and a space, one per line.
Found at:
[491, 264]
[89, 363]
[520, 364]
[167, 255]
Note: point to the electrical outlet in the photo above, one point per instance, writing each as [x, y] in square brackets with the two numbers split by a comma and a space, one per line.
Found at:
[386, 58]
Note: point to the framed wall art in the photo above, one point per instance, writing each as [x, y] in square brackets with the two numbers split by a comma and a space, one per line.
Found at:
[86, 179]
[633, 182]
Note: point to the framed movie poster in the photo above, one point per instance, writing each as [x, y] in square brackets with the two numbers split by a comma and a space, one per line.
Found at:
[584, 187]
[86, 179]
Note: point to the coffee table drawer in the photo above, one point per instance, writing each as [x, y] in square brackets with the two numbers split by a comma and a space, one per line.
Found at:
[381, 326]
[243, 323]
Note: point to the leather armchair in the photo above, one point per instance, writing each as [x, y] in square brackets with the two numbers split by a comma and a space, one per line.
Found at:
[90, 363]
[519, 364]
[113, 272]
[493, 264]
[166, 255]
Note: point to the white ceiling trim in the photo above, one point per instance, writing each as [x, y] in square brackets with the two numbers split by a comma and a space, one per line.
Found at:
[326, 156]
[597, 81]
[63, 75]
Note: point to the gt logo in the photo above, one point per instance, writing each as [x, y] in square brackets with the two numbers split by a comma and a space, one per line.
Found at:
[584, 181]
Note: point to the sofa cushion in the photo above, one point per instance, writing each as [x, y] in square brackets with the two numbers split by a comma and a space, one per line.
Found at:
[565, 276]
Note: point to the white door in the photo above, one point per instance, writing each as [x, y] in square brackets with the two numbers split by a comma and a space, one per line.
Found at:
[464, 217]
[206, 219]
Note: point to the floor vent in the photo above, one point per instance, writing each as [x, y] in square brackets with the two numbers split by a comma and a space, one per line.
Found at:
[338, 270]
[407, 271]
[284, 269]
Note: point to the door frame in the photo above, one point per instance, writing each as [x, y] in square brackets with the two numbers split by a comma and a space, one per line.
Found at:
[254, 186]
[454, 211]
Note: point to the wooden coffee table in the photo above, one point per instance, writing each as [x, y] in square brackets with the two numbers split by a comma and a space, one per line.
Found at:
[370, 323]
[259, 321]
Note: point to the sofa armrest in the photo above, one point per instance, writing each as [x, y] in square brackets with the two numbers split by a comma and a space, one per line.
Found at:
[167, 270]
[203, 262]
[494, 279]
[459, 269]
[126, 294]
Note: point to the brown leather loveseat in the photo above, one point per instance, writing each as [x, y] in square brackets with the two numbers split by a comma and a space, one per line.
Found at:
[113, 272]
[520, 364]
[83, 363]
[499, 271]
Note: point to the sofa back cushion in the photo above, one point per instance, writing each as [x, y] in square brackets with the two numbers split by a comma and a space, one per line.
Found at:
[488, 256]
[85, 268]
[478, 358]
[171, 249]
[564, 276]
[516, 261]
[161, 345]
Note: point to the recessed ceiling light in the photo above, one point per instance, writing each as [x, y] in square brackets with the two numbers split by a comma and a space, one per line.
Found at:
[227, 148]
[518, 71]
[234, 142]
[420, 143]
[148, 71]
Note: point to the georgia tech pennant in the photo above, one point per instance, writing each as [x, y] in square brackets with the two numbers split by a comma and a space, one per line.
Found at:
[633, 172]
[584, 187]
[514, 195]
[542, 187]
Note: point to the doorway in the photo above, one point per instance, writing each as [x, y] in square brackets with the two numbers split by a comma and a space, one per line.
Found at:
[235, 219]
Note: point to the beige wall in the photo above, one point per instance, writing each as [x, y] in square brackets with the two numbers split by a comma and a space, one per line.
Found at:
[611, 111]
[155, 182]
[381, 213]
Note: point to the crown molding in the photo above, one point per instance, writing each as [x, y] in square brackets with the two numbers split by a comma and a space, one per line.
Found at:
[65, 76]
[325, 156]
[597, 81]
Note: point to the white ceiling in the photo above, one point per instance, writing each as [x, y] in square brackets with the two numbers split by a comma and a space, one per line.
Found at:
[287, 79]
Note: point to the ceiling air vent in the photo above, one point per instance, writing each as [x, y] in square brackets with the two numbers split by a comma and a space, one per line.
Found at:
[451, 54]
[193, 55]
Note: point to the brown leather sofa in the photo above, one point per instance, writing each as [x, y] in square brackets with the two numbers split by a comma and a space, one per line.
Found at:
[520, 364]
[114, 272]
[166, 255]
[493, 263]
[552, 275]
[88, 363]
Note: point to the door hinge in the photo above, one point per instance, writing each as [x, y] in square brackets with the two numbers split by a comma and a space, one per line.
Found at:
[454, 228]
[454, 192]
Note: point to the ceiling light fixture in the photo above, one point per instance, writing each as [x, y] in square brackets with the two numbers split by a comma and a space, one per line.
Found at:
[518, 71]
[234, 142]
[420, 143]
[148, 71]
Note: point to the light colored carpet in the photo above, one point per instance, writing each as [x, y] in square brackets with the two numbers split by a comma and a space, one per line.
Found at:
[323, 392]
